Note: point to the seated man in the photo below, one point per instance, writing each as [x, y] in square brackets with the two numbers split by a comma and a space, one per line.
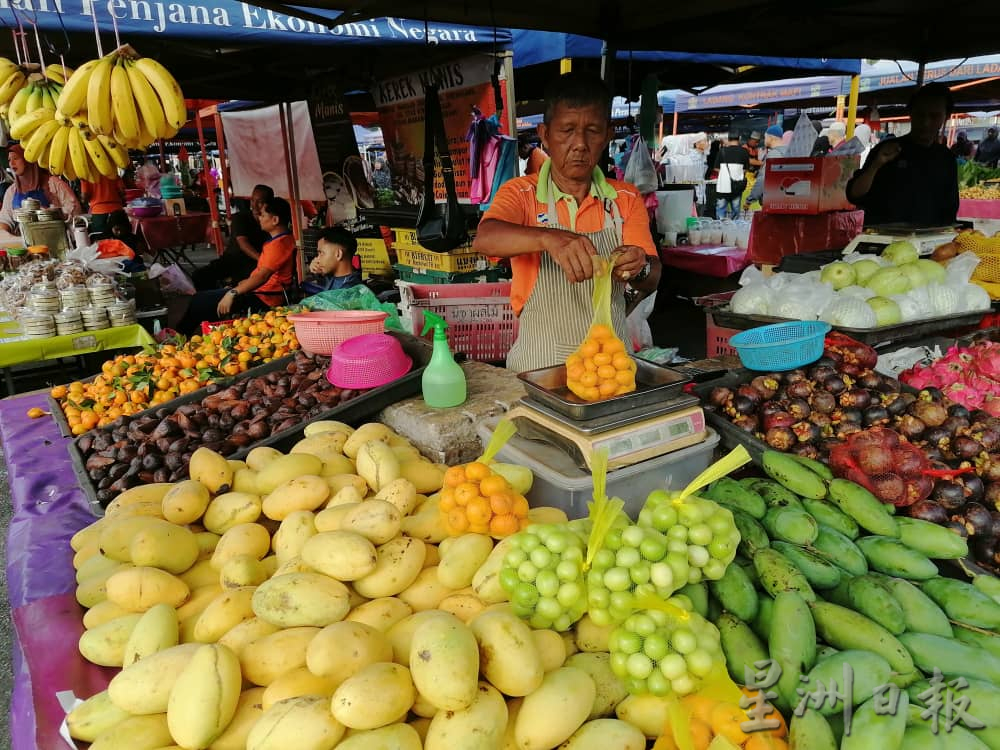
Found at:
[333, 265]
[267, 284]
[243, 249]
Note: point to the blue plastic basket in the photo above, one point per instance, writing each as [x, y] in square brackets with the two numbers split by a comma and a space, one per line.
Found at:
[782, 346]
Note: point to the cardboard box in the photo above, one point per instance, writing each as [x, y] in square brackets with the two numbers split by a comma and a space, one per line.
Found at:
[773, 236]
[808, 185]
[174, 207]
[374, 257]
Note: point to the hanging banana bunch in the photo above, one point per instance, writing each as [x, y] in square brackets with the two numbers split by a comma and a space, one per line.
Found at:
[130, 99]
[13, 80]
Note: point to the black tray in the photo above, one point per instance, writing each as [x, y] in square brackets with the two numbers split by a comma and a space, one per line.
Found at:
[187, 398]
[730, 435]
[359, 409]
[726, 318]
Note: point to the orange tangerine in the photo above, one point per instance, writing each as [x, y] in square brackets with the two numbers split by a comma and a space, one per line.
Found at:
[600, 332]
[602, 359]
[589, 348]
[475, 528]
[607, 389]
[624, 377]
[501, 504]
[699, 706]
[504, 525]
[623, 362]
[701, 734]
[606, 372]
[457, 520]
[477, 471]
[493, 485]
[612, 346]
[575, 372]
[573, 359]
[466, 493]
[726, 720]
[520, 506]
[591, 394]
[589, 365]
[478, 511]
[454, 476]
[588, 379]
[447, 501]
[765, 741]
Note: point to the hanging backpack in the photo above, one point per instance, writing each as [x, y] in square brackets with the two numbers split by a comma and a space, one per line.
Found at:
[440, 227]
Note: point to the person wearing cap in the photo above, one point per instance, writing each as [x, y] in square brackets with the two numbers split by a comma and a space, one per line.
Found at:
[912, 179]
[31, 181]
[752, 147]
[837, 134]
[988, 152]
[775, 145]
[962, 147]
[552, 225]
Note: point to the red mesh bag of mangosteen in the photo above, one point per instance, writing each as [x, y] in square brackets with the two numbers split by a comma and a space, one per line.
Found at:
[885, 464]
[844, 350]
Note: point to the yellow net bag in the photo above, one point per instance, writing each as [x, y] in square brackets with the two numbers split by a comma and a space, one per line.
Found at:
[601, 367]
[987, 249]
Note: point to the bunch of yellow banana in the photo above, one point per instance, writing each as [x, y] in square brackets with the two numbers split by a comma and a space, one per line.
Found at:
[133, 100]
[73, 150]
[38, 94]
[13, 78]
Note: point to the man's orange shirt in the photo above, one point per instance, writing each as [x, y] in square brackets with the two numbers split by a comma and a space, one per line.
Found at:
[278, 255]
[516, 202]
[104, 196]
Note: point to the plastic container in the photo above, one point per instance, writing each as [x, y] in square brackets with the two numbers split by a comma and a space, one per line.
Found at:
[16, 256]
[368, 361]
[782, 346]
[455, 262]
[561, 484]
[481, 322]
[322, 332]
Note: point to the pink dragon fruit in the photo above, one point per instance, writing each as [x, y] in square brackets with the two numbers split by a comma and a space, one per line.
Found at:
[964, 394]
[992, 406]
[986, 356]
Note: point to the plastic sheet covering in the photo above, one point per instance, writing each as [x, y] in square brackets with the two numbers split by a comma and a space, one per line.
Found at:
[48, 508]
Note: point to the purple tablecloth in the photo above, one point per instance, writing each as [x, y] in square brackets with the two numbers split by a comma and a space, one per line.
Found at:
[48, 508]
[709, 260]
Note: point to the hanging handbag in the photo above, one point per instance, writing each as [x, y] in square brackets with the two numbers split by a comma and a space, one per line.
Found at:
[440, 227]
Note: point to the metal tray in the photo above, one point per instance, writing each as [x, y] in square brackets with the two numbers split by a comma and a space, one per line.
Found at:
[731, 435]
[726, 318]
[187, 398]
[654, 385]
[361, 408]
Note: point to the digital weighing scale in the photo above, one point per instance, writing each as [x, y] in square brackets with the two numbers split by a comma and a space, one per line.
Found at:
[630, 436]
[874, 240]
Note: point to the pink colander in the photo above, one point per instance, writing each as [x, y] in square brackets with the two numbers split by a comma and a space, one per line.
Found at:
[368, 361]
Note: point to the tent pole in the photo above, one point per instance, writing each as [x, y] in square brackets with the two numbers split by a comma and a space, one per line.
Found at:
[675, 119]
[921, 71]
[213, 207]
[288, 136]
[608, 54]
[220, 142]
[566, 65]
[508, 67]
[852, 105]
[163, 156]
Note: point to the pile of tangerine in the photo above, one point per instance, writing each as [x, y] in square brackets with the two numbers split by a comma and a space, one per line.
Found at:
[600, 368]
[475, 500]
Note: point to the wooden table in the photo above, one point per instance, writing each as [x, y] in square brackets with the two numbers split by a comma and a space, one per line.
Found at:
[167, 237]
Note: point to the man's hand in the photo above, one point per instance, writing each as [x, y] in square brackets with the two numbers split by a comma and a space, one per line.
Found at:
[888, 152]
[574, 253]
[225, 304]
[313, 267]
[629, 260]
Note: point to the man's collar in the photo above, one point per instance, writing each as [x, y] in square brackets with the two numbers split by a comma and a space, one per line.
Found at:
[599, 186]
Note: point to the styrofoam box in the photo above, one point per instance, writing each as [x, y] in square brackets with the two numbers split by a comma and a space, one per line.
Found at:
[560, 483]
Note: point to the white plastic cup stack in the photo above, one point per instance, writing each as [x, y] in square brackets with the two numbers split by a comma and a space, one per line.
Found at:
[38, 325]
[95, 318]
[74, 298]
[121, 314]
[68, 322]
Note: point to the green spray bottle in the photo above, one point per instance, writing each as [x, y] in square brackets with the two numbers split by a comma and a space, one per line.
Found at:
[443, 381]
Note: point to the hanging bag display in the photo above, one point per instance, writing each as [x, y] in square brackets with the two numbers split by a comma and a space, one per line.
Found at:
[440, 227]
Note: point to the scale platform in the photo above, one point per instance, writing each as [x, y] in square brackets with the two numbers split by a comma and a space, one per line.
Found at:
[629, 436]
[874, 240]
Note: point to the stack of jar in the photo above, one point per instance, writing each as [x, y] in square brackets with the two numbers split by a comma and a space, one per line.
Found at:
[68, 322]
[121, 314]
[75, 298]
[95, 318]
[38, 325]
[102, 292]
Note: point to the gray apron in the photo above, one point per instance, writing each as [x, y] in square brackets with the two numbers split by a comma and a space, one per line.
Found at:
[557, 315]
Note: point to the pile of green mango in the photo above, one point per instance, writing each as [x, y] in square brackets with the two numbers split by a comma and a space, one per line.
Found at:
[828, 576]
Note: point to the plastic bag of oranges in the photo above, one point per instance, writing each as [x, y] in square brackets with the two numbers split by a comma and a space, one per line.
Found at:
[477, 500]
[601, 367]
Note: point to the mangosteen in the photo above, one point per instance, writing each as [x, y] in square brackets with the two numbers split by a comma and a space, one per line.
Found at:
[989, 468]
[933, 453]
[930, 413]
[799, 408]
[984, 549]
[895, 405]
[954, 425]
[778, 419]
[875, 459]
[936, 435]
[856, 398]
[869, 379]
[958, 528]
[743, 405]
[794, 376]
[828, 444]
[908, 462]
[808, 450]
[806, 432]
[888, 385]
[974, 488]
[996, 523]
[957, 410]
[989, 437]
[917, 488]
[850, 369]
[765, 385]
[844, 429]
[966, 447]
[992, 495]
[910, 427]
[875, 415]
[748, 391]
[852, 416]
[780, 438]
[820, 372]
[834, 384]
[820, 420]
[823, 401]
[770, 407]
[931, 393]
[889, 488]
[978, 520]
[746, 422]
[928, 510]
[950, 495]
[801, 389]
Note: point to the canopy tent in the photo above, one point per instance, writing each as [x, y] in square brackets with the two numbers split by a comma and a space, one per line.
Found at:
[536, 52]
[243, 50]
[900, 29]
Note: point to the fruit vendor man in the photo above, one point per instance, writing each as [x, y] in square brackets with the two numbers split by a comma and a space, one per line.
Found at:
[552, 225]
